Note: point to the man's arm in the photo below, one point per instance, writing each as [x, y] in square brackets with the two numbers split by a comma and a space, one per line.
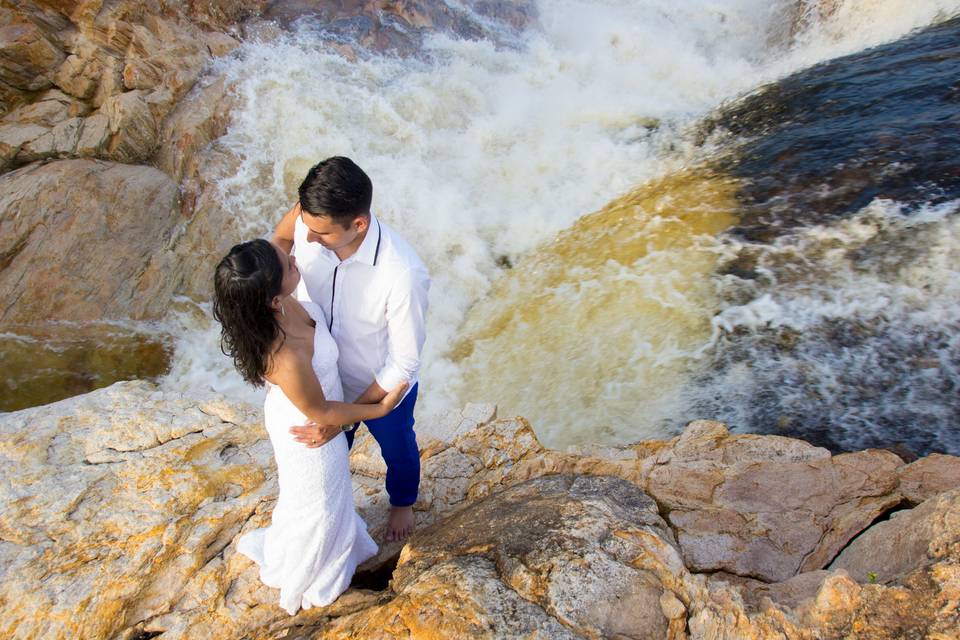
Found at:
[283, 234]
[406, 330]
[374, 393]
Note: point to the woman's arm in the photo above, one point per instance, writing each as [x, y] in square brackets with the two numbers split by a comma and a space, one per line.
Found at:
[283, 233]
[293, 373]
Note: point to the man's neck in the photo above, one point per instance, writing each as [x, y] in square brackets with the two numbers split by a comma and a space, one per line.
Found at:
[346, 251]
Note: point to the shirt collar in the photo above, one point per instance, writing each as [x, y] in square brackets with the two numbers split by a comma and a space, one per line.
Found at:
[369, 250]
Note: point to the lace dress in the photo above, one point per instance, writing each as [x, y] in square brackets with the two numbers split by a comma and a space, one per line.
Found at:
[316, 539]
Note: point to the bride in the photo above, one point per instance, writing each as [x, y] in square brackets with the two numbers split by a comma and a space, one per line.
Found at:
[315, 539]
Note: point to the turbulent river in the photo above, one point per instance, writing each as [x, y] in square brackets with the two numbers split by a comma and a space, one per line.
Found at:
[641, 213]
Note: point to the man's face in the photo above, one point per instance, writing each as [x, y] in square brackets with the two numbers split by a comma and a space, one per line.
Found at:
[330, 233]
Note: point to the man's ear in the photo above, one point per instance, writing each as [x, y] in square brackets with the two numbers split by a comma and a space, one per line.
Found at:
[362, 222]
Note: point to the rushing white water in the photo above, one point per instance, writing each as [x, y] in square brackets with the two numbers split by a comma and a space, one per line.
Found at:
[852, 330]
[479, 151]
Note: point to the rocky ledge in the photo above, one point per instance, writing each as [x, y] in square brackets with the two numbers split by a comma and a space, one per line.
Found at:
[122, 508]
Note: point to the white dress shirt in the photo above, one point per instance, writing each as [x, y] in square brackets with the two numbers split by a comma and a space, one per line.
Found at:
[375, 303]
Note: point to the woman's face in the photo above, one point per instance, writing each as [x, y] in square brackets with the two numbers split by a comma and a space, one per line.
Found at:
[291, 275]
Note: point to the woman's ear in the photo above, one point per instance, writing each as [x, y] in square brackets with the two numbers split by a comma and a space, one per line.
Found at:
[275, 303]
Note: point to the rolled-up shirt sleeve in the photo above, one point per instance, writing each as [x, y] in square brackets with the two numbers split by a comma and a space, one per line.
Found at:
[406, 328]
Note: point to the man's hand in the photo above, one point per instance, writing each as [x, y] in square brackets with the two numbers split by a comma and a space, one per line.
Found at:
[315, 435]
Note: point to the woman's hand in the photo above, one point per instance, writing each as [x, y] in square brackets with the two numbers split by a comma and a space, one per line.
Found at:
[315, 435]
[393, 398]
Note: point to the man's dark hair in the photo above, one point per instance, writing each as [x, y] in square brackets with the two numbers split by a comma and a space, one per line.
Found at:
[338, 188]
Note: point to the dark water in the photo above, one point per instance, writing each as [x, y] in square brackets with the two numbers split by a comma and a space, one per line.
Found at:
[825, 142]
[848, 242]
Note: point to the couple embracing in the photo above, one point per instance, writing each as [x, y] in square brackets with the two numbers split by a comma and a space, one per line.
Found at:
[330, 315]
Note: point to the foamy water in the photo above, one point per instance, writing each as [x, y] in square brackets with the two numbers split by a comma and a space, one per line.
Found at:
[480, 152]
[851, 334]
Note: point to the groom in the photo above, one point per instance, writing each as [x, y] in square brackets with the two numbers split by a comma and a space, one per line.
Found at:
[372, 287]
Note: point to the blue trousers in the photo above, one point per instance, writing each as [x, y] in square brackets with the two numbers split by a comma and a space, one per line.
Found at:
[398, 443]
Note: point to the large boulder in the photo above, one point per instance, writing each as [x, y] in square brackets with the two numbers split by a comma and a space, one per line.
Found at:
[77, 237]
[765, 506]
[910, 539]
[119, 499]
[929, 476]
[560, 557]
[28, 55]
[127, 63]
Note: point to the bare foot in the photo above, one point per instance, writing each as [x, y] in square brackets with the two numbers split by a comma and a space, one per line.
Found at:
[400, 523]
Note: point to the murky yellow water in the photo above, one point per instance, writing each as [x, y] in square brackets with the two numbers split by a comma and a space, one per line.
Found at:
[47, 363]
[613, 312]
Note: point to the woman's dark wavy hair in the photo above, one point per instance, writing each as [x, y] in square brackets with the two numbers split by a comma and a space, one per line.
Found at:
[245, 282]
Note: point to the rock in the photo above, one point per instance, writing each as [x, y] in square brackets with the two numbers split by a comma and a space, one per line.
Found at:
[13, 137]
[925, 606]
[399, 28]
[929, 476]
[76, 237]
[96, 132]
[122, 515]
[80, 77]
[60, 141]
[50, 108]
[134, 130]
[788, 594]
[561, 556]
[910, 539]
[208, 228]
[224, 14]
[132, 61]
[198, 119]
[27, 56]
[766, 506]
[121, 497]
[473, 465]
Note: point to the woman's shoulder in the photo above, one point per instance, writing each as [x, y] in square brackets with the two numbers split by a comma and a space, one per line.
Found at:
[314, 311]
[291, 355]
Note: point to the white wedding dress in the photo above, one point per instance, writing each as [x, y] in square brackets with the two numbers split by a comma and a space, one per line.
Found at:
[316, 539]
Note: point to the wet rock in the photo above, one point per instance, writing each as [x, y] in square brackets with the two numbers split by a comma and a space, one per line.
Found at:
[76, 237]
[400, 27]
